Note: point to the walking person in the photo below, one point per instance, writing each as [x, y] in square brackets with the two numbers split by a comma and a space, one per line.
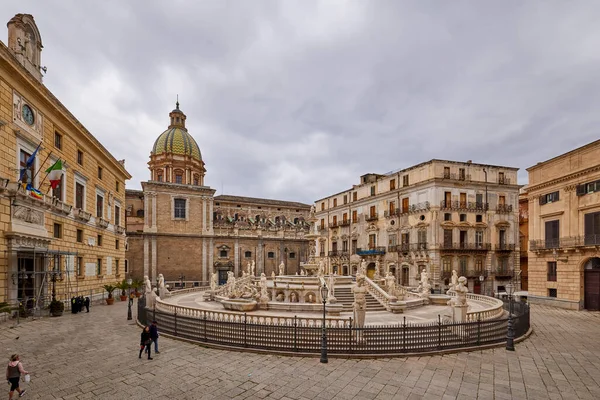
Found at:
[14, 370]
[154, 336]
[145, 342]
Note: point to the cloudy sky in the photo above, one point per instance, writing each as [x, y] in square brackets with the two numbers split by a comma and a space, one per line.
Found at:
[295, 100]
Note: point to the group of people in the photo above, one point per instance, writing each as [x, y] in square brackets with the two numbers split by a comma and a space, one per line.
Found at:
[77, 304]
[149, 335]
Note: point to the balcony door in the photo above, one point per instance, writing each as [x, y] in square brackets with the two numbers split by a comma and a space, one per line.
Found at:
[463, 239]
[447, 238]
[463, 200]
[405, 205]
[552, 232]
[592, 229]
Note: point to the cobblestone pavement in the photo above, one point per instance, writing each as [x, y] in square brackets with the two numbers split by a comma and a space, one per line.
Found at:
[95, 356]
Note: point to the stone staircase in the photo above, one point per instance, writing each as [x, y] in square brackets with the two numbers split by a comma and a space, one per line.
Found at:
[346, 298]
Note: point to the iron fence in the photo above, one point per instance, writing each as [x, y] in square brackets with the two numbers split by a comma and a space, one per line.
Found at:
[298, 336]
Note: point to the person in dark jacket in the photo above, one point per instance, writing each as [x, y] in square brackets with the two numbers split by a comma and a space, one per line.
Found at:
[73, 305]
[87, 304]
[145, 342]
[154, 336]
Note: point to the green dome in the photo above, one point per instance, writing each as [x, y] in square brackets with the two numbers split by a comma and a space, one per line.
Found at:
[177, 140]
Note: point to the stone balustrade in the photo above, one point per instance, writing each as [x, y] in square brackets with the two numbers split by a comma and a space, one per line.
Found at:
[494, 311]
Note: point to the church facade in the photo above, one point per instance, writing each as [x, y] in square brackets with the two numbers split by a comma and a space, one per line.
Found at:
[177, 227]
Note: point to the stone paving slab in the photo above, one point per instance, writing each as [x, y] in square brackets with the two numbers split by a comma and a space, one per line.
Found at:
[94, 356]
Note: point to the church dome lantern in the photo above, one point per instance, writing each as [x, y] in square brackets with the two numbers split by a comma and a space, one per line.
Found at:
[175, 156]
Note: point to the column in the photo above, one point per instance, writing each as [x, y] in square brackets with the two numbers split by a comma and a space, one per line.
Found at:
[146, 257]
[146, 211]
[211, 264]
[236, 257]
[260, 260]
[154, 211]
[154, 250]
[204, 214]
[204, 262]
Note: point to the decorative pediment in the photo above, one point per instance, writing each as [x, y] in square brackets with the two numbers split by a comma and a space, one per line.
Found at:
[334, 237]
[481, 225]
[421, 225]
[502, 224]
[447, 224]
[223, 247]
[372, 228]
[344, 237]
[464, 224]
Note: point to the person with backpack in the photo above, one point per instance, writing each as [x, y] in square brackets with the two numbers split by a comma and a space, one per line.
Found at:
[14, 370]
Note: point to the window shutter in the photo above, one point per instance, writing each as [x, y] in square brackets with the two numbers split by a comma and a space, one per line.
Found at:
[542, 200]
[580, 190]
[556, 194]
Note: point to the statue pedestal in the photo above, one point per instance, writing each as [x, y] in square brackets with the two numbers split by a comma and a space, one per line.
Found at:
[459, 312]
[264, 303]
[333, 308]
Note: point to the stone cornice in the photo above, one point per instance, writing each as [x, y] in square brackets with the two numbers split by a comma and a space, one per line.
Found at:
[564, 178]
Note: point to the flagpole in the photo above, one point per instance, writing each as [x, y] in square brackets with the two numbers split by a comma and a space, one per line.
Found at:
[34, 154]
[40, 185]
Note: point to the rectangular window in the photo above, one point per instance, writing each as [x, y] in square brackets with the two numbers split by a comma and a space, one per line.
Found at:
[29, 172]
[447, 264]
[591, 224]
[462, 238]
[99, 240]
[223, 254]
[405, 205]
[57, 231]
[248, 254]
[461, 174]
[462, 266]
[405, 180]
[345, 217]
[79, 195]
[479, 218]
[335, 202]
[405, 238]
[422, 238]
[99, 206]
[79, 236]
[117, 215]
[79, 157]
[479, 239]
[292, 255]
[392, 240]
[322, 206]
[463, 200]
[57, 140]
[463, 217]
[502, 238]
[354, 216]
[99, 172]
[447, 217]
[335, 220]
[501, 177]
[334, 247]
[178, 178]
[126, 266]
[552, 234]
[80, 266]
[447, 172]
[117, 244]
[345, 199]
[447, 237]
[372, 190]
[354, 196]
[479, 265]
[57, 192]
[99, 266]
[372, 241]
[501, 200]
[322, 223]
[549, 198]
[392, 208]
[345, 246]
[354, 246]
[479, 201]
[179, 208]
[552, 293]
[117, 272]
[270, 254]
[552, 271]
[393, 184]
[117, 186]
[372, 212]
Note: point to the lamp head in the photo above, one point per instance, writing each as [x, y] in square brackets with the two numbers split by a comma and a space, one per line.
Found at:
[510, 289]
[324, 291]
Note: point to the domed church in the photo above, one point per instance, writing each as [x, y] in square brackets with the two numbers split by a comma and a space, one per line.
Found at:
[177, 227]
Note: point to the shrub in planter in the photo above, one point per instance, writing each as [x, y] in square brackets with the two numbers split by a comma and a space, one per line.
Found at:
[56, 308]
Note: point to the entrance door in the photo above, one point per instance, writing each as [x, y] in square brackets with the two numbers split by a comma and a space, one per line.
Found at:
[26, 277]
[591, 300]
[222, 276]
[405, 274]
[371, 270]
[477, 286]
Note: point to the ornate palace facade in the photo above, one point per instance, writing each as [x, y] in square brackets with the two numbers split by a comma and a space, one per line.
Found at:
[438, 215]
[178, 228]
[73, 234]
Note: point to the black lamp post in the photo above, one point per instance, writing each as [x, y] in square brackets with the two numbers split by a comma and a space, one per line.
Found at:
[324, 291]
[129, 317]
[54, 274]
[510, 334]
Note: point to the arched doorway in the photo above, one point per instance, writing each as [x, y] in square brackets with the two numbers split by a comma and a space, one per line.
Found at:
[591, 276]
[345, 270]
[371, 270]
[405, 275]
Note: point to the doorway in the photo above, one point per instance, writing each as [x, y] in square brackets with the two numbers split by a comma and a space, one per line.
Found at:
[591, 276]
[477, 286]
[371, 270]
[223, 276]
[405, 275]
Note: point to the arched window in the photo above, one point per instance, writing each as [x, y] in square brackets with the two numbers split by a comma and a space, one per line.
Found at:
[159, 176]
[178, 177]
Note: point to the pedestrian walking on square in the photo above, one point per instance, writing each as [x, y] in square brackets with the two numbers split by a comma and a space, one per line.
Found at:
[87, 304]
[154, 336]
[145, 342]
[14, 370]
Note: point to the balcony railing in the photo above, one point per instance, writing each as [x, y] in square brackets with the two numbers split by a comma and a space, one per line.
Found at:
[345, 222]
[503, 271]
[338, 253]
[371, 217]
[463, 205]
[375, 250]
[333, 224]
[504, 181]
[504, 208]
[505, 247]
[389, 214]
[466, 246]
[457, 177]
[471, 273]
[102, 223]
[565, 242]
[406, 247]
[119, 229]
[84, 215]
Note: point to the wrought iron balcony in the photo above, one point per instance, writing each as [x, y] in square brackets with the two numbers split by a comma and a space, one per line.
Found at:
[456, 177]
[505, 247]
[390, 214]
[345, 222]
[504, 181]
[333, 224]
[372, 217]
[565, 242]
[375, 250]
[476, 273]
[465, 246]
[463, 206]
[503, 271]
[504, 208]
[406, 247]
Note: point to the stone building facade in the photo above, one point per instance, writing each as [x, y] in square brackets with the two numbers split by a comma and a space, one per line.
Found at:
[524, 238]
[564, 229]
[74, 233]
[177, 227]
[438, 215]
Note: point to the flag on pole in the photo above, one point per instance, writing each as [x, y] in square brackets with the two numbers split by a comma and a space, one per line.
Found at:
[29, 163]
[55, 173]
[34, 192]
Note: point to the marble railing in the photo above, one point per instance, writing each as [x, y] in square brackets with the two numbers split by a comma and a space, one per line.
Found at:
[381, 295]
[495, 310]
[220, 316]
[239, 282]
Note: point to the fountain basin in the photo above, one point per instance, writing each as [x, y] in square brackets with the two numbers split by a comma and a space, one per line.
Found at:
[239, 304]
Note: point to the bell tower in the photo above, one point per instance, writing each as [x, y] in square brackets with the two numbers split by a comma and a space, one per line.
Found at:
[25, 42]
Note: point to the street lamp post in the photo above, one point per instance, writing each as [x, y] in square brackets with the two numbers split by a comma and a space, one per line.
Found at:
[55, 273]
[482, 284]
[324, 291]
[510, 334]
[129, 317]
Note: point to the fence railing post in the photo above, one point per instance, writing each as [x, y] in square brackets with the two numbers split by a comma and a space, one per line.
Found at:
[204, 313]
[245, 329]
[439, 331]
[295, 333]
[478, 329]
[350, 336]
[175, 324]
[404, 335]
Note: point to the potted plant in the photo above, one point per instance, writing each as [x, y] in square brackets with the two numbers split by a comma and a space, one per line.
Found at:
[136, 284]
[123, 285]
[110, 289]
[56, 308]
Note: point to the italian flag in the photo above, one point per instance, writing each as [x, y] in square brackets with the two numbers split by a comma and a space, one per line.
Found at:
[54, 173]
